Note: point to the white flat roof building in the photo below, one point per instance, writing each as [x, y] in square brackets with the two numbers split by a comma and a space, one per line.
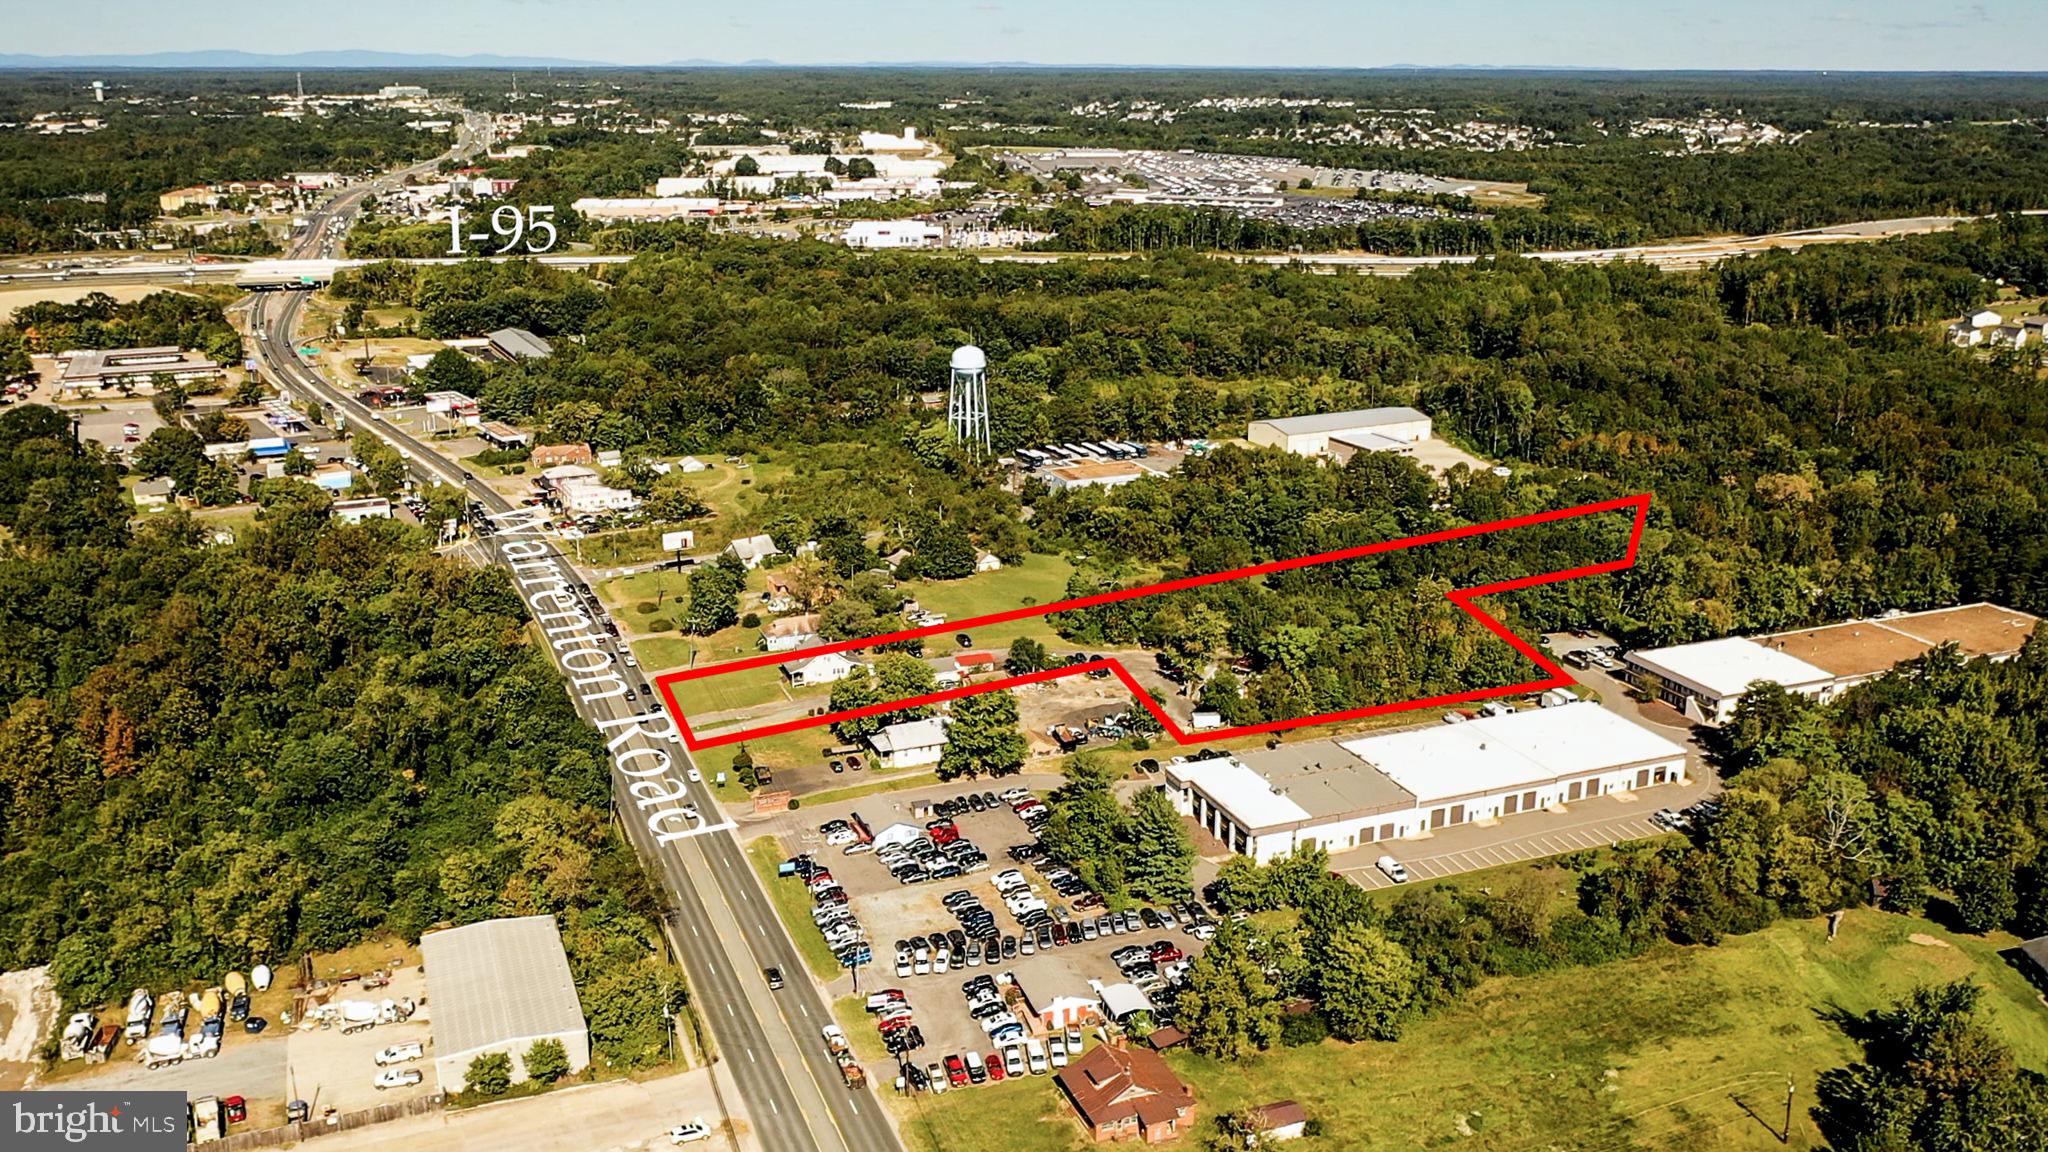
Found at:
[1346, 794]
[894, 234]
[1366, 429]
[1707, 680]
[498, 986]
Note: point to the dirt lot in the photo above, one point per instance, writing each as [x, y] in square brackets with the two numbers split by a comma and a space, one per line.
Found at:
[28, 1012]
[892, 911]
[331, 1070]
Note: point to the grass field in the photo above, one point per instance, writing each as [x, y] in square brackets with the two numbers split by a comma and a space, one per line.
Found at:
[1662, 1051]
[793, 904]
[1031, 581]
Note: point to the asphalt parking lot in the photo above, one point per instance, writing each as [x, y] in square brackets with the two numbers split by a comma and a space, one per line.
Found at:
[890, 911]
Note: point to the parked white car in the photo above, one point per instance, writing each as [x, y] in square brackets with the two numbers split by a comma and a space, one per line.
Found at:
[398, 1078]
[690, 1133]
[400, 1053]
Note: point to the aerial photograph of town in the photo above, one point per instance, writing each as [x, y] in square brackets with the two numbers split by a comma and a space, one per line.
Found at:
[608, 575]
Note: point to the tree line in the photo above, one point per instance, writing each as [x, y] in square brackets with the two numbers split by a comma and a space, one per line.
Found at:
[221, 755]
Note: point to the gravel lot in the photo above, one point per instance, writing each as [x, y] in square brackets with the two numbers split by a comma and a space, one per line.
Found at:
[330, 1070]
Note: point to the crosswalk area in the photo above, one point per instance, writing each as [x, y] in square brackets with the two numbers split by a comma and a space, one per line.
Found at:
[1533, 847]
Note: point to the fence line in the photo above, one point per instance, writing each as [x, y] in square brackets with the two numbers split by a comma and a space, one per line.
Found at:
[308, 1129]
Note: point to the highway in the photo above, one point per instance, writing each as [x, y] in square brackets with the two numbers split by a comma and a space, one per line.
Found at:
[1689, 255]
[724, 926]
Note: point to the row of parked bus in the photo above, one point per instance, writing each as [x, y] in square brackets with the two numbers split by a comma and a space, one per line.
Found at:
[1056, 454]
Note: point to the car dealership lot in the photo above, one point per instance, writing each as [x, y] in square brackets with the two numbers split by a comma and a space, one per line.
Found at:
[892, 911]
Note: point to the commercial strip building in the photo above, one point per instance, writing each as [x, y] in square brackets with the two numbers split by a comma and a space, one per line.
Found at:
[1343, 434]
[89, 369]
[498, 986]
[1707, 680]
[1340, 794]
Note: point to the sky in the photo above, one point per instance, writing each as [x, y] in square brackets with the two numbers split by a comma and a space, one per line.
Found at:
[1712, 34]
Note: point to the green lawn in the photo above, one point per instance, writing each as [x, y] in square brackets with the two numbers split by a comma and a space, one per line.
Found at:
[794, 905]
[1031, 581]
[1657, 1052]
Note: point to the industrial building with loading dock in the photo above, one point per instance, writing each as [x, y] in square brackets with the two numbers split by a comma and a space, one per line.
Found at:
[1708, 679]
[1343, 434]
[1344, 794]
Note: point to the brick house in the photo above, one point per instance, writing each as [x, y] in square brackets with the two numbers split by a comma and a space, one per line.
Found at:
[1127, 1094]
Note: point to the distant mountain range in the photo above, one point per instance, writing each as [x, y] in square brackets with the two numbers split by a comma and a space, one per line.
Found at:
[345, 58]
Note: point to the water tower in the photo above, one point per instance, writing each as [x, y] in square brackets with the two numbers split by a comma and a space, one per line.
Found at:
[967, 398]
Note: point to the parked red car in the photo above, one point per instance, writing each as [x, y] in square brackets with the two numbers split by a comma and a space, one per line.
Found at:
[994, 1061]
[1163, 952]
[956, 1070]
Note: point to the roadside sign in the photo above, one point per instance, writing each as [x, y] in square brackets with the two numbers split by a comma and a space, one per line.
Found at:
[309, 351]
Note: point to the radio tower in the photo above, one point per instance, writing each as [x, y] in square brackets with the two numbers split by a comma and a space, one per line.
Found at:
[967, 399]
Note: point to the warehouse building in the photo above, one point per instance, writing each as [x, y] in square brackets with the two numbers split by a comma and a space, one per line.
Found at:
[1707, 680]
[498, 986]
[1341, 434]
[1345, 794]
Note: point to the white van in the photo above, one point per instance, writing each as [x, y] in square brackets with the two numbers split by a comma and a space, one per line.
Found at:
[976, 1070]
[1393, 868]
[1034, 1055]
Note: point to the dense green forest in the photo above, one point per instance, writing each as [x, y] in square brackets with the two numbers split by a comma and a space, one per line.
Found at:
[1798, 475]
[218, 756]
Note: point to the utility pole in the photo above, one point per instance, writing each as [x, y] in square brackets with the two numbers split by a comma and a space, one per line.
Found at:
[1785, 1137]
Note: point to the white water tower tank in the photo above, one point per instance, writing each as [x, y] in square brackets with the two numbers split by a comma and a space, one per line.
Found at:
[968, 358]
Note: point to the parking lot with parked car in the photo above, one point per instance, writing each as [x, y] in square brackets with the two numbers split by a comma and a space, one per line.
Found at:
[961, 942]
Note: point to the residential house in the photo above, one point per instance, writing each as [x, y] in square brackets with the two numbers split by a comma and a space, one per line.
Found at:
[790, 632]
[549, 455]
[974, 663]
[751, 550]
[987, 562]
[1127, 1094]
[2007, 336]
[895, 559]
[691, 464]
[826, 668]
[910, 744]
[778, 597]
[1973, 329]
[153, 494]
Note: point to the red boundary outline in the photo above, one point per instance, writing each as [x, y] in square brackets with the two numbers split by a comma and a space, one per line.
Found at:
[1462, 597]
